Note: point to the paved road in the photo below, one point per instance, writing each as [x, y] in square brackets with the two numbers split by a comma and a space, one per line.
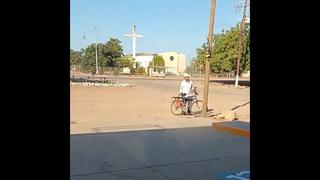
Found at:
[176, 154]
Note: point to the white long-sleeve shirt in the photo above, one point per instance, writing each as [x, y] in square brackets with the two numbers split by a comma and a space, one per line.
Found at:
[185, 87]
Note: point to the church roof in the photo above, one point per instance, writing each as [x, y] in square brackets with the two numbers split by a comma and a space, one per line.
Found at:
[154, 54]
[142, 54]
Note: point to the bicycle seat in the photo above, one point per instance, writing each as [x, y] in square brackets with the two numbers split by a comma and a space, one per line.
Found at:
[179, 97]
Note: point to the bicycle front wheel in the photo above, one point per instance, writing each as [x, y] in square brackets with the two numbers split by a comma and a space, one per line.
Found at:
[196, 108]
[175, 110]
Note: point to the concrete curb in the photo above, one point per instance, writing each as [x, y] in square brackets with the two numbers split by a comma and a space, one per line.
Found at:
[230, 128]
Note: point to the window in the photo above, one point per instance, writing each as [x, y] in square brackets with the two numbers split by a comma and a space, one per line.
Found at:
[171, 58]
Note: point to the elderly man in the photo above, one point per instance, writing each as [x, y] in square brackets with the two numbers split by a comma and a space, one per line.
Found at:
[185, 91]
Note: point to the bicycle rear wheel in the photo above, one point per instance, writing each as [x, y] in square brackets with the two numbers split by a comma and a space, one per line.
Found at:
[176, 110]
[196, 108]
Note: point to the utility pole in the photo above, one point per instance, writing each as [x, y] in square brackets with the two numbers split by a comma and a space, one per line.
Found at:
[209, 53]
[97, 67]
[85, 44]
[240, 43]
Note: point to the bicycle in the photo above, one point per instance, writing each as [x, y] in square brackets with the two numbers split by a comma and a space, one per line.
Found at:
[178, 106]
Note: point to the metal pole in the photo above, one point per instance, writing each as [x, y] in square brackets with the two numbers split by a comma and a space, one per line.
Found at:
[134, 41]
[85, 46]
[97, 68]
[206, 77]
[240, 44]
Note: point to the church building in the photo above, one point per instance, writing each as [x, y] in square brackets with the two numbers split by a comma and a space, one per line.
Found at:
[175, 63]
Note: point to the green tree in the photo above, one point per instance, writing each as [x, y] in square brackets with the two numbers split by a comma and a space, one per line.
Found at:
[112, 52]
[225, 51]
[124, 61]
[140, 70]
[157, 61]
[75, 57]
[245, 63]
[201, 58]
[89, 62]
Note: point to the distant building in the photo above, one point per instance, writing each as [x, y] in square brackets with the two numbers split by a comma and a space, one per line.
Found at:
[144, 59]
[175, 63]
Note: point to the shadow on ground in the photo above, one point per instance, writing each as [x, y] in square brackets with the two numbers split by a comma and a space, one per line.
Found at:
[184, 153]
[236, 107]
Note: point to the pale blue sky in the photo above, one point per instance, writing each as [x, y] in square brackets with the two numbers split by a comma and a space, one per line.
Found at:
[167, 25]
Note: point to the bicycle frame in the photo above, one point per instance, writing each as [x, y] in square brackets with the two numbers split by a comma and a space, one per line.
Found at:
[182, 104]
[178, 106]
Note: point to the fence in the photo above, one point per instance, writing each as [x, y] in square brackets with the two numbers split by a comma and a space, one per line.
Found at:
[102, 70]
[197, 73]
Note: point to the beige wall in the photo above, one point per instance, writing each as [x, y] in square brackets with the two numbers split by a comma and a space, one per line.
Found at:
[182, 63]
[177, 65]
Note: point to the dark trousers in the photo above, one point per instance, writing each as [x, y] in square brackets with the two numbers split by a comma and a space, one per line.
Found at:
[187, 101]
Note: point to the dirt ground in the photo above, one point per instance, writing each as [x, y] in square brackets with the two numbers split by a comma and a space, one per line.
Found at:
[147, 106]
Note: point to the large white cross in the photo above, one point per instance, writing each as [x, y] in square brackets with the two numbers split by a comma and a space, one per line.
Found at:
[134, 37]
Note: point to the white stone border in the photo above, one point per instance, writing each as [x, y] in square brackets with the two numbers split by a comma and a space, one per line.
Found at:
[88, 84]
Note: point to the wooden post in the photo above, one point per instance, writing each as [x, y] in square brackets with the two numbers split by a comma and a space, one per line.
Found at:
[206, 77]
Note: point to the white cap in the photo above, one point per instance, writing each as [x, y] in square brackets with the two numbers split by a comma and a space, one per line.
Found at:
[186, 75]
